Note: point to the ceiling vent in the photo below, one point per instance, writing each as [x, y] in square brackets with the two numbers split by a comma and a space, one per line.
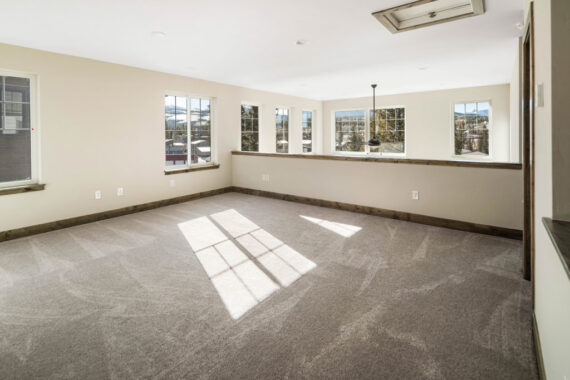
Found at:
[422, 13]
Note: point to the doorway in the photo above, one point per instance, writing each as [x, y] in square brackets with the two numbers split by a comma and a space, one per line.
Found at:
[528, 146]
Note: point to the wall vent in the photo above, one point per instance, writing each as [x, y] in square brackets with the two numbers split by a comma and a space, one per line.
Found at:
[422, 13]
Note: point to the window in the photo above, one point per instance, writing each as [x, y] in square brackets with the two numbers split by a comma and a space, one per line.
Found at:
[390, 129]
[282, 130]
[307, 131]
[180, 135]
[17, 135]
[471, 129]
[249, 128]
[350, 131]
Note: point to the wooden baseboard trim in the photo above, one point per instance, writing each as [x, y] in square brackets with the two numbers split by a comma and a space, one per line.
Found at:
[52, 226]
[538, 348]
[400, 215]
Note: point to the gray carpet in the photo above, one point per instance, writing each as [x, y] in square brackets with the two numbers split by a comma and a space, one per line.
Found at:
[289, 291]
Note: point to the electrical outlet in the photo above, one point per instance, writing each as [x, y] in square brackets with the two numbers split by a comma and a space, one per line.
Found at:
[265, 177]
[98, 194]
[415, 195]
[120, 191]
[172, 183]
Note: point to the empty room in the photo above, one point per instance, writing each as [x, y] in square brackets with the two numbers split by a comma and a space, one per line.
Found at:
[249, 189]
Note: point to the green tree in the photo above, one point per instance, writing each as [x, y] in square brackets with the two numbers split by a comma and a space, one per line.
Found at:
[459, 142]
[484, 141]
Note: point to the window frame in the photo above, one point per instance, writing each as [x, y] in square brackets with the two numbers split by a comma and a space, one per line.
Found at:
[259, 122]
[213, 131]
[35, 166]
[367, 119]
[312, 131]
[462, 157]
[289, 113]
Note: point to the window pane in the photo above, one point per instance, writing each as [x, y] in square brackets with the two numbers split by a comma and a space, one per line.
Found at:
[307, 126]
[15, 155]
[17, 115]
[282, 130]
[400, 113]
[17, 89]
[15, 130]
[169, 112]
[350, 131]
[195, 105]
[200, 131]
[176, 130]
[389, 127]
[250, 128]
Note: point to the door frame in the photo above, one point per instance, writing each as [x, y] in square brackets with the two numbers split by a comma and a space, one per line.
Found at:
[527, 104]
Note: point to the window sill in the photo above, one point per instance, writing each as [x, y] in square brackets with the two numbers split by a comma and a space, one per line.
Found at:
[22, 189]
[191, 169]
[559, 232]
[472, 158]
[390, 160]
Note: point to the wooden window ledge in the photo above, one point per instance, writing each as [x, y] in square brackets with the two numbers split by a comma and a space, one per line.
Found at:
[191, 169]
[22, 189]
[559, 232]
[389, 160]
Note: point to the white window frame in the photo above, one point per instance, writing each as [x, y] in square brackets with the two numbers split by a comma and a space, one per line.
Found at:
[213, 131]
[367, 151]
[312, 131]
[34, 130]
[289, 112]
[462, 157]
[333, 132]
[259, 122]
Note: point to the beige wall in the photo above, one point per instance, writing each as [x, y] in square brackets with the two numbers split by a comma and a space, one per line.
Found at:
[429, 118]
[552, 286]
[515, 107]
[101, 126]
[561, 108]
[478, 195]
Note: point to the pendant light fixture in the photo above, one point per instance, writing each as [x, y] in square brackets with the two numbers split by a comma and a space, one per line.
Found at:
[373, 141]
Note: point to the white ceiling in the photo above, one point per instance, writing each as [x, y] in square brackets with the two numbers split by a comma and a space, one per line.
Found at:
[251, 43]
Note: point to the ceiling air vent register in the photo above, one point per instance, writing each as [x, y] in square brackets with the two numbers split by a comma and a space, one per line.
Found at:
[422, 13]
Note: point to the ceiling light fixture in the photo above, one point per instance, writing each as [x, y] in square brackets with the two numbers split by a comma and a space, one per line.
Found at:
[300, 42]
[421, 13]
[158, 34]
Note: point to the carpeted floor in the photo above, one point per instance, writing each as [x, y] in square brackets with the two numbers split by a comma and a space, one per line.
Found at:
[273, 289]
